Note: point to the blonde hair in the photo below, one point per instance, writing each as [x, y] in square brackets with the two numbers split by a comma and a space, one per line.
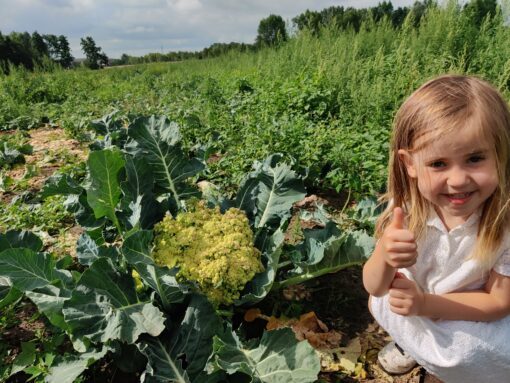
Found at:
[444, 105]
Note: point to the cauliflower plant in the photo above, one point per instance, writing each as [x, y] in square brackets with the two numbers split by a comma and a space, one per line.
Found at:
[215, 250]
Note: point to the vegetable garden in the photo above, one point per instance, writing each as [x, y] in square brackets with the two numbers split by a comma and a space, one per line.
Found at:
[193, 202]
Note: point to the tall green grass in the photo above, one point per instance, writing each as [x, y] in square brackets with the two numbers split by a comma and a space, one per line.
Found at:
[328, 102]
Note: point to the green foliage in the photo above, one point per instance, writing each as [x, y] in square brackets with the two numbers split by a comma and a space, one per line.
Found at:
[49, 215]
[271, 31]
[95, 57]
[232, 356]
[120, 296]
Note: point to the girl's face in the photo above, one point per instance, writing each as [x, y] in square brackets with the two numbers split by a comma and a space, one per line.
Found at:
[457, 173]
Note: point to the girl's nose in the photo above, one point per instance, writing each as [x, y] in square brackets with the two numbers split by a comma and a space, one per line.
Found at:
[458, 177]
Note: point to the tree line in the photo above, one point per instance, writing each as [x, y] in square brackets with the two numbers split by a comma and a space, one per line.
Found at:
[40, 51]
[35, 50]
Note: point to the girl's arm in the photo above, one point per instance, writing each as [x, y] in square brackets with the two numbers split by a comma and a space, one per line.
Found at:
[377, 273]
[490, 304]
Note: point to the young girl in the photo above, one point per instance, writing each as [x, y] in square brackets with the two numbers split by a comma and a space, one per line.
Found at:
[439, 277]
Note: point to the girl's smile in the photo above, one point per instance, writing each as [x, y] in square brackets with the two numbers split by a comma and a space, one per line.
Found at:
[456, 172]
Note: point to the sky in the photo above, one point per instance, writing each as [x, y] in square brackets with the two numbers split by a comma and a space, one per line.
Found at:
[137, 27]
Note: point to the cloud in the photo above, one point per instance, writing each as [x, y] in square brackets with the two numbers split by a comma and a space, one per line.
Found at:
[141, 26]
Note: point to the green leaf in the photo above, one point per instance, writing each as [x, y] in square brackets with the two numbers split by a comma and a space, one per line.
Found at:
[139, 178]
[28, 270]
[164, 282]
[316, 242]
[103, 193]
[268, 193]
[348, 249]
[67, 369]
[10, 155]
[50, 301]
[136, 248]
[60, 184]
[25, 358]
[262, 283]
[189, 341]
[157, 141]
[279, 357]
[104, 306]
[140, 209]
[83, 213]
[20, 239]
[88, 251]
[8, 294]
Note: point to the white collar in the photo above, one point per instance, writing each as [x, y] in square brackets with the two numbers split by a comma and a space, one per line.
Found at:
[434, 221]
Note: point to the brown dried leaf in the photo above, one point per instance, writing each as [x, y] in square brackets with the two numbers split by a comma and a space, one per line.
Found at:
[252, 314]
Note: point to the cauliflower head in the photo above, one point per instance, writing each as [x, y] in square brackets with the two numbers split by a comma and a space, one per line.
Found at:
[213, 249]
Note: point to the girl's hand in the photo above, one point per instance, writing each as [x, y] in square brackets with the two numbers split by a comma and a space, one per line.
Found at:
[398, 243]
[405, 297]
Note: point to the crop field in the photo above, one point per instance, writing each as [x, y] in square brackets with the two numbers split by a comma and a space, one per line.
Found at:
[206, 221]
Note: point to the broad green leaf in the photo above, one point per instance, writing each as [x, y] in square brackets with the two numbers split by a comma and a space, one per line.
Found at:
[104, 306]
[25, 358]
[351, 248]
[279, 357]
[10, 155]
[50, 301]
[268, 193]
[139, 179]
[136, 248]
[60, 184]
[107, 124]
[68, 368]
[127, 357]
[28, 270]
[20, 239]
[189, 341]
[103, 193]
[83, 213]
[348, 249]
[88, 251]
[157, 141]
[8, 294]
[261, 284]
[164, 282]
[316, 242]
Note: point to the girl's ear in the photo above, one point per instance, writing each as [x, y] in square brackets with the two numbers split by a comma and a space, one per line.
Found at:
[407, 159]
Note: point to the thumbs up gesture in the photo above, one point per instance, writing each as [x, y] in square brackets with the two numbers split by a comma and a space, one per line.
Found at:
[398, 243]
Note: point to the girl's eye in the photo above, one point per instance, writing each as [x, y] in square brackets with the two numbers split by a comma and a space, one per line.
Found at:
[437, 164]
[476, 158]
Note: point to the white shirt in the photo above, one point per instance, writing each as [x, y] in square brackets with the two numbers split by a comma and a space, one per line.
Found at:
[443, 263]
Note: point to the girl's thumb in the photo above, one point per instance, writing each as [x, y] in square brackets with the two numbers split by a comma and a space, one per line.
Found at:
[398, 218]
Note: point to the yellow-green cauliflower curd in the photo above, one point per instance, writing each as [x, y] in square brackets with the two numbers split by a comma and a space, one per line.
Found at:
[215, 250]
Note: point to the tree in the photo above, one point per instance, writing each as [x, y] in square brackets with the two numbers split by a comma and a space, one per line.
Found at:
[39, 47]
[271, 31]
[64, 52]
[479, 9]
[95, 57]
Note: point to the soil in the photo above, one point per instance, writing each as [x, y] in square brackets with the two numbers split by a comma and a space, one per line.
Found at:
[49, 145]
[341, 302]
